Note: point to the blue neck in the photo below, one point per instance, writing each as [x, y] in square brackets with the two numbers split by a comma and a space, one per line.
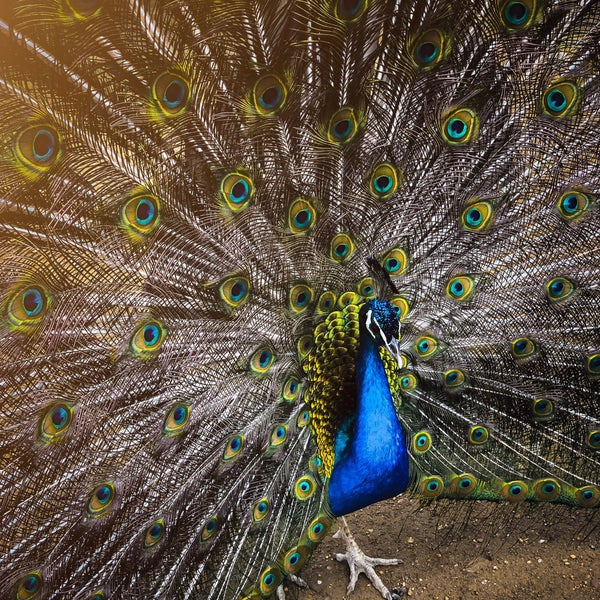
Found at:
[371, 460]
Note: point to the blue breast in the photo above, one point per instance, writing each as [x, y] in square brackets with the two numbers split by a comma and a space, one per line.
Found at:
[371, 458]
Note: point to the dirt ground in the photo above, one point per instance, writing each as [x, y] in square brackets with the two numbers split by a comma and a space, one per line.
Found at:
[456, 552]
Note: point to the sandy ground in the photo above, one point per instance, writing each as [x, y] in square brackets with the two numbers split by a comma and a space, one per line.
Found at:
[456, 552]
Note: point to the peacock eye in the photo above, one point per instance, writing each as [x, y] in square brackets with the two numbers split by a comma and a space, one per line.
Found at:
[428, 49]
[426, 346]
[543, 409]
[38, 147]
[546, 489]
[421, 442]
[234, 291]
[233, 447]
[384, 181]
[141, 213]
[454, 378]
[408, 382]
[171, 93]
[402, 305]
[326, 303]
[303, 419]
[300, 297]
[305, 487]
[464, 485]
[269, 95]
[431, 486]
[477, 217]
[573, 204]
[347, 299]
[209, 529]
[593, 365]
[461, 287]
[262, 360]
[395, 262]
[588, 496]
[176, 420]
[295, 559]
[561, 99]
[366, 287]
[279, 435]
[101, 499]
[341, 247]
[29, 586]
[459, 126]
[517, 15]
[28, 307]
[593, 439]
[342, 126]
[154, 534]
[350, 10]
[559, 289]
[304, 345]
[261, 510]
[270, 580]
[523, 347]
[147, 339]
[55, 422]
[237, 190]
[515, 491]
[478, 435]
[301, 216]
[318, 528]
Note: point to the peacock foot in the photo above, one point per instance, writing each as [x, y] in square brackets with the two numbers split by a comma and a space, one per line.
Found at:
[360, 563]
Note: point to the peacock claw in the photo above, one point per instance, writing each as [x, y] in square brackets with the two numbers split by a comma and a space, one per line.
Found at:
[360, 563]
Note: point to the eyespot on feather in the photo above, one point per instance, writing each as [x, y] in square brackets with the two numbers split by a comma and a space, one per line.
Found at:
[395, 262]
[300, 298]
[561, 100]
[176, 420]
[428, 49]
[517, 16]
[384, 181]
[350, 11]
[84, 9]
[55, 422]
[269, 95]
[170, 92]
[141, 213]
[341, 247]
[147, 339]
[29, 587]
[154, 534]
[38, 147]
[101, 499]
[460, 126]
[237, 190]
[343, 126]
[28, 307]
[573, 204]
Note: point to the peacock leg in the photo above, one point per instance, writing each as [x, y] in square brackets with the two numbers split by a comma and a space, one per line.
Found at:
[360, 563]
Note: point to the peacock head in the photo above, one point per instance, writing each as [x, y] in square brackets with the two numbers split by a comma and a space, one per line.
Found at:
[379, 319]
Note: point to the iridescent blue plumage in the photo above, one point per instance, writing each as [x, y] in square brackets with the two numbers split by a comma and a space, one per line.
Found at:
[371, 457]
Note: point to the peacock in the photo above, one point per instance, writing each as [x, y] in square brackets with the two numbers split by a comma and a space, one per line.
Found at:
[267, 262]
